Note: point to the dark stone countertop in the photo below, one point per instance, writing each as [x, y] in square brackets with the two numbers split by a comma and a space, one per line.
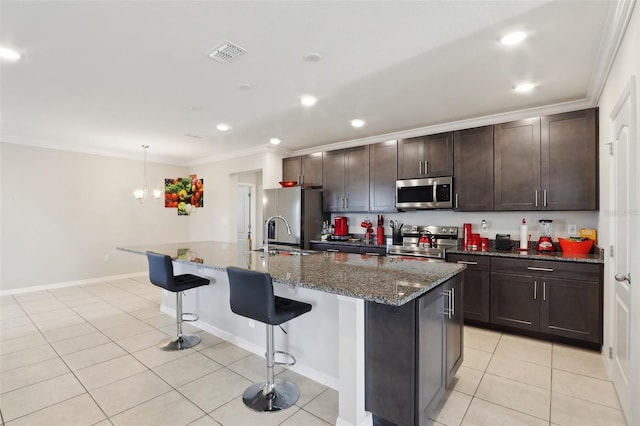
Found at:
[596, 257]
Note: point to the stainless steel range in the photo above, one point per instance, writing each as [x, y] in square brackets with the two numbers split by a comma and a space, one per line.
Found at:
[425, 241]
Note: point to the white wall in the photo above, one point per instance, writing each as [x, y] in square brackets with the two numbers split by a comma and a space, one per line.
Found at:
[62, 212]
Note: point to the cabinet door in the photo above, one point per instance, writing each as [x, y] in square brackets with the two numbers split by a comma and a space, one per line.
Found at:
[382, 176]
[569, 163]
[517, 165]
[291, 169]
[438, 155]
[473, 169]
[356, 179]
[514, 301]
[311, 169]
[454, 327]
[476, 295]
[571, 309]
[410, 157]
[333, 181]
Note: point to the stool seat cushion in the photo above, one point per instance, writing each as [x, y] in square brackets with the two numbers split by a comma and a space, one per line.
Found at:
[251, 295]
[161, 274]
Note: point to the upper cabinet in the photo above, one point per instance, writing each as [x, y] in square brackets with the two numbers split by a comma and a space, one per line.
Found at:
[425, 156]
[382, 176]
[473, 169]
[547, 163]
[304, 169]
[346, 180]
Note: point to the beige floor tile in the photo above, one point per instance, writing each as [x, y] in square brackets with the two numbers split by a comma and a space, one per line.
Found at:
[12, 311]
[18, 331]
[578, 360]
[304, 418]
[520, 371]
[150, 312]
[127, 393]
[142, 341]
[215, 389]
[486, 342]
[78, 411]
[7, 300]
[68, 332]
[309, 389]
[325, 406]
[7, 324]
[161, 321]
[484, 413]
[205, 421]
[130, 303]
[92, 356]
[569, 411]
[451, 409]
[20, 343]
[79, 343]
[186, 369]
[584, 387]
[81, 301]
[478, 360]
[43, 305]
[110, 321]
[109, 371]
[153, 357]
[235, 413]
[225, 353]
[33, 295]
[30, 374]
[169, 409]
[528, 399]
[466, 380]
[26, 357]
[58, 325]
[93, 311]
[207, 340]
[186, 328]
[31, 398]
[524, 349]
[253, 368]
[126, 330]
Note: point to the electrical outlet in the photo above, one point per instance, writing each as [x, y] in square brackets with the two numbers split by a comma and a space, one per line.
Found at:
[572, 229]
[106, 257]
[252, 323]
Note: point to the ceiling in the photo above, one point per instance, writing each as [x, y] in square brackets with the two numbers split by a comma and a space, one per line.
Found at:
[106, 77]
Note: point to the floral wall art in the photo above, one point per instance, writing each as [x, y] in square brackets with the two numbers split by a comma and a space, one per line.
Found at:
[185, 194]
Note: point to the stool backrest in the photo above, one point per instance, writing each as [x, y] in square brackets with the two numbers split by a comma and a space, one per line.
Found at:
[160, 270]
[251, 294]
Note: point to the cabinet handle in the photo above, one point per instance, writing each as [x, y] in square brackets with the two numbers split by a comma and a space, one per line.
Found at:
[453, 302]
[426, 167]
[533, 268]
[456, 200]
[301, 180]
[448, 309]
[536, 198]
[346, 202]
[333, 250]
[372, 254]
[466, 262]
[544, 198]
[544, 290]
[535, 290]
[420, 167]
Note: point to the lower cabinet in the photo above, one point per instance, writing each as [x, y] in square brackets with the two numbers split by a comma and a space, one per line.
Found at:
[476, 285]
[412, 353]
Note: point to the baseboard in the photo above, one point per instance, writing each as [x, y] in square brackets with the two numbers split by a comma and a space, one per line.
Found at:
[69, 283]
[259, 350]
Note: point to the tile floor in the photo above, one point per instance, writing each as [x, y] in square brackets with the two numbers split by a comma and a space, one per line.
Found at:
[87, 355]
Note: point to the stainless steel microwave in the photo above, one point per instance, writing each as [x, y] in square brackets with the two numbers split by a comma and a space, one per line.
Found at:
[425, 193]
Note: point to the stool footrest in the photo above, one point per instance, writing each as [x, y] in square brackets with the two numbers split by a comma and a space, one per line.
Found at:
[191, 317]
[289, 363]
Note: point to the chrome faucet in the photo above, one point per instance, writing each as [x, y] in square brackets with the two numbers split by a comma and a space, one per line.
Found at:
[266, 233]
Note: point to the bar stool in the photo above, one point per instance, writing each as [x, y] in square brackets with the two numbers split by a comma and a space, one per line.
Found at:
[251, 296]
[161, 275]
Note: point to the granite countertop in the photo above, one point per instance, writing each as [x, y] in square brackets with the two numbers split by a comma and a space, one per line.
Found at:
[355, 242]
[387, 280]
[596, 257]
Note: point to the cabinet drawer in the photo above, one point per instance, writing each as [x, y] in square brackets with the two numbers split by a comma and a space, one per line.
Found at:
[480, 263]
[545, 268]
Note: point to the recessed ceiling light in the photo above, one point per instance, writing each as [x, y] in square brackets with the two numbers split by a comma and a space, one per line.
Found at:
[308, 100]
[513, 38]
[223, 127]
[524, 87]
[357, 123]
[9, 54]
[243, 86]
[312, 57]
[275, 141]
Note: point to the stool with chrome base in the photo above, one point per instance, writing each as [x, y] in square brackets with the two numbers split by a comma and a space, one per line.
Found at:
[161, 275]
[251, 296]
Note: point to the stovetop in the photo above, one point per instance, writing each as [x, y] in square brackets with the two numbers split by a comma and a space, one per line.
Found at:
[443, 237]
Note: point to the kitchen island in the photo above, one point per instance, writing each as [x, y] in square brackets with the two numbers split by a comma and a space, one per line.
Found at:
[329, 341]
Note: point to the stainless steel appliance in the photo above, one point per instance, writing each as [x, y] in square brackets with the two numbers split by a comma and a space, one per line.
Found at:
[425, 241]
[427, 193]
[303, 210]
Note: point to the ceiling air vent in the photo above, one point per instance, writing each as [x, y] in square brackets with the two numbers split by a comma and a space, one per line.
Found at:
[226, 51]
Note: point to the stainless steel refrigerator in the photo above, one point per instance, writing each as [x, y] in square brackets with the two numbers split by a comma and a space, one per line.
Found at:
[303, 210]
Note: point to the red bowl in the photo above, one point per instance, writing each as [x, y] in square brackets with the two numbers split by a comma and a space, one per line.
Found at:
[576, 247]
[288, 183]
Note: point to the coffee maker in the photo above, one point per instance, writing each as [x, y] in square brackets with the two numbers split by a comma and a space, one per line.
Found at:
[545, 243]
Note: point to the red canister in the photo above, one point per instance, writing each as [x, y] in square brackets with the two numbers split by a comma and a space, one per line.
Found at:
[342, 226]
[466, 235]
[380, 235]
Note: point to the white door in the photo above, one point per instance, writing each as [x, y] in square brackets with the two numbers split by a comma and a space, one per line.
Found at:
[244, 214]
[624, 226]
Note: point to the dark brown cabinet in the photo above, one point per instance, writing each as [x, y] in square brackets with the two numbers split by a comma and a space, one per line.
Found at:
[476, 285]
[304, 169]
[383, 173]
[425, 156]
[547, 163]
[555, 298]
[473, 169]
[345, 178]
[454, 327]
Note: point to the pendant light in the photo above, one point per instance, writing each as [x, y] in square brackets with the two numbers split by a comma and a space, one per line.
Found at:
[141, 194]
